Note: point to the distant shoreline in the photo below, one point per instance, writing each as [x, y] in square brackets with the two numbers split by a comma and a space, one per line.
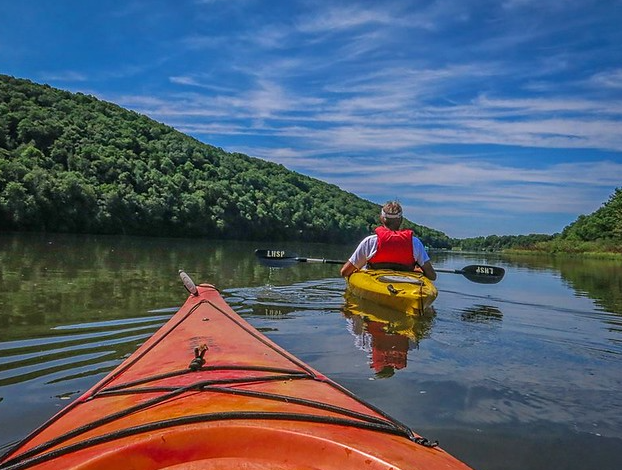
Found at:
[578, 254]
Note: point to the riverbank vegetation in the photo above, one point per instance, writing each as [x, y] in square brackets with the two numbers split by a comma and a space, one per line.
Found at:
[597, 234]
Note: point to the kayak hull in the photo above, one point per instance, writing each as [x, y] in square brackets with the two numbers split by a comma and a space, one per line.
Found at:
[209, 391]
[408, 292]
[218, 445]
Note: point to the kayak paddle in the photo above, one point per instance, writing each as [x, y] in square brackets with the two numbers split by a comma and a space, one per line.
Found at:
[284, 258]
[480, 273]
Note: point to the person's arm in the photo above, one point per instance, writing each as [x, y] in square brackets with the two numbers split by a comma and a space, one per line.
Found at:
[423, 259]
[360, 256]
[428, 271]
[347, 269]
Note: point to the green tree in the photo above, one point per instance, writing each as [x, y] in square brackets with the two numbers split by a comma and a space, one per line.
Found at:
[70, 162]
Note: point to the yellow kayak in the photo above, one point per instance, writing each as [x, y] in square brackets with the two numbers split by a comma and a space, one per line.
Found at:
[405, 291]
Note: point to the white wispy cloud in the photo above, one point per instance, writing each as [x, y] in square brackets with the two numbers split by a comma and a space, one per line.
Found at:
[397, 122]
[609, 79]
[65, 76]
[335, 18]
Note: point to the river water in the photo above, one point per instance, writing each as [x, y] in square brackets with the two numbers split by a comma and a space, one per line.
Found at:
[523, 374]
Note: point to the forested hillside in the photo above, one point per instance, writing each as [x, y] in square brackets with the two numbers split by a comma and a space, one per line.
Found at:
[73, 163]
[500, 242]
[601, 231]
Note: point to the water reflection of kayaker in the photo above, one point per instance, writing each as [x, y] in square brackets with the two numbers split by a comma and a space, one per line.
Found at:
[389, 350]
[390, 247]
[386, 335]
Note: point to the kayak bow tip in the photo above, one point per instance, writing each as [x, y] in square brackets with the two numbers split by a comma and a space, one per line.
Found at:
[188, 283]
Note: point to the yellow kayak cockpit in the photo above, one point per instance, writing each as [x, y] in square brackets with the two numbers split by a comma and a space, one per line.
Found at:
[408, 292]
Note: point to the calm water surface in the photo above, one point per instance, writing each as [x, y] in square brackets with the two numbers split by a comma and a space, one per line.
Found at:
[523, 374]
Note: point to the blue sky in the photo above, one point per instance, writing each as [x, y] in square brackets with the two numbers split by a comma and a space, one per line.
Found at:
[482, 117]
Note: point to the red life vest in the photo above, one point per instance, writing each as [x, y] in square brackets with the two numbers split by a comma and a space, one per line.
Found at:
[394, 248]
[388, 350]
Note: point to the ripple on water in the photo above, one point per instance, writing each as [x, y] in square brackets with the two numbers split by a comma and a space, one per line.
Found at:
[74, 350]
[323, 294]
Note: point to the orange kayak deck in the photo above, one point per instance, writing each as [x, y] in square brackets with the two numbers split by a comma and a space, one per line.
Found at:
[209, 391]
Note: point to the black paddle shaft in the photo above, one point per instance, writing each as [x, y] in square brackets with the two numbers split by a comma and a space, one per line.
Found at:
[275, 256]
[479, 273]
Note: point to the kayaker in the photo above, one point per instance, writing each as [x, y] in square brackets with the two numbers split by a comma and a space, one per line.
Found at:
[390, 247]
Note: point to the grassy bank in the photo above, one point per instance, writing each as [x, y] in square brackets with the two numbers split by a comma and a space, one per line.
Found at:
[608, 255]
